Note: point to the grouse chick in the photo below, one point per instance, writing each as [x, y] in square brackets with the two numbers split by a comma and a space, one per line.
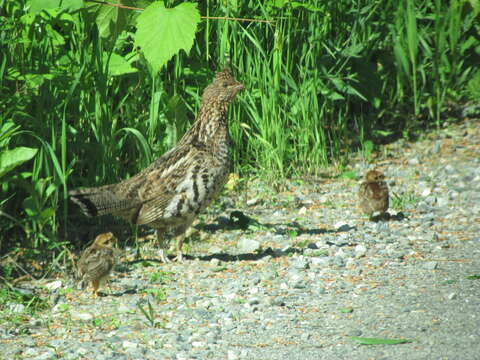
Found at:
[373, 194]
[98, 260]
[174, 189]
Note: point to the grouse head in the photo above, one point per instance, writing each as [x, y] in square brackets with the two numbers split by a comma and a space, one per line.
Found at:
[222, 90]
[374, 176]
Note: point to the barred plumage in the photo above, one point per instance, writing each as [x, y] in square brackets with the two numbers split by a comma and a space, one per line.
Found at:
[175, 188]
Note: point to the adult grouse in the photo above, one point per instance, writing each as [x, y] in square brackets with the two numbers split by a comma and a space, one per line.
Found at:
[175, 188]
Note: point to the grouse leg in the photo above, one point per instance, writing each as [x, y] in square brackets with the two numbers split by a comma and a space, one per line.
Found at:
[163, 244]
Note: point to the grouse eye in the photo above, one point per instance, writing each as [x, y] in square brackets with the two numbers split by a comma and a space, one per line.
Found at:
[225, 84]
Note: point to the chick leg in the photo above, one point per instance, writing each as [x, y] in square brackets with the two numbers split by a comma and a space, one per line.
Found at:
[95, 286]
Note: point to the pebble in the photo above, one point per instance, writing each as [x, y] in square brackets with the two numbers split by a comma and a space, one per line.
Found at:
[248, 246]
[431, 265]
[54, 285]
[81, 316]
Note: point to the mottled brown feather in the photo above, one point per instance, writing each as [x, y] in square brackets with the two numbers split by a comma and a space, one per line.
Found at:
[373, 194]
[176, 187]
[98, 260]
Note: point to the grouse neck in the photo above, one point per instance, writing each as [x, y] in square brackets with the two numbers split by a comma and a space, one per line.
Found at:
[211, 125]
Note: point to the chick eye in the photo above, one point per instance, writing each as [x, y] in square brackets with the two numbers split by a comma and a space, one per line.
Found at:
[225, 84]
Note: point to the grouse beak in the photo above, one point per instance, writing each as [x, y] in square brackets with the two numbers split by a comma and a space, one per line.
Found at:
[240, 87]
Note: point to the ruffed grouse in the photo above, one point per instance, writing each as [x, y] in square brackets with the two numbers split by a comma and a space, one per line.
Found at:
[97, 261]
[373, 194]
[175, 188]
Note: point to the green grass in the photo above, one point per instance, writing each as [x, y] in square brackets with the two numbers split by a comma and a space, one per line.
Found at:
[402, 202]
[17, 308]
[321, 82]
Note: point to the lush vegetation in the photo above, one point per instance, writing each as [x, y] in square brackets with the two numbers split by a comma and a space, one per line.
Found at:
[91, 93]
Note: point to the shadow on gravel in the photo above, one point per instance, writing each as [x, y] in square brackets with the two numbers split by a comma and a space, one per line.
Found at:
[227, 257]
[249, 257]
[239, 221]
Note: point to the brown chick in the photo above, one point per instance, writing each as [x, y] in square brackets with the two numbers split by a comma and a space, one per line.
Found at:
[373, 194]
[97, 261]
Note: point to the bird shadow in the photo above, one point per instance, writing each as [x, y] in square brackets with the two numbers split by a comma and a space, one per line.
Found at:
[239, 221]
[400, 216]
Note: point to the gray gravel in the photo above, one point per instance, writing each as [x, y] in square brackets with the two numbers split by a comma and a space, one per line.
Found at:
[294, 274]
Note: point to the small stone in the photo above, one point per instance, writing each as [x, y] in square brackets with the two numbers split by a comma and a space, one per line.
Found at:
[449, 169]
[182, 356]
[360, 251]
[214, 250]
[339, 261]
[230, 296]
[299, 263]
[423, 207]
[16, 308]
[320, 261]
[452, 296]
[442, 201]
[426, 192]
[305, 336]
[248, 246]
[253, 301]
[30, 352]
[299, 284]
[277, 301]
[430, 265]
[414, 161]
[54, 285]
[81, 351]
[254, 201]
[436, 147]
[123, 308]
[198, 344]
[81, 316]
[302, 211]
[342, 226]
[45, 356]
[232, 355]
[215, 262]
[128, 345]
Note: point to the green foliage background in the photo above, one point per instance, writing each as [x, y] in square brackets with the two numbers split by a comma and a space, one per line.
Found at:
[91, 94]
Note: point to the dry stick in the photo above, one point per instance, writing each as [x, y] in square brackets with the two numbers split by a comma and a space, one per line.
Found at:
[202, 17]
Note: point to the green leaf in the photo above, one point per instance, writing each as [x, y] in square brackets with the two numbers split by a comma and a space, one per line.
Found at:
[110, 20]
[10, 159]
[7, 131]
[117, 65]
[473, 277]
[37, 6]
[162, 33]
[345, 310]
[377, 341]
[349, 175]
[368, 148]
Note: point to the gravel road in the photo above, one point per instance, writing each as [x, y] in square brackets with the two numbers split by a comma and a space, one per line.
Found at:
[293, 273]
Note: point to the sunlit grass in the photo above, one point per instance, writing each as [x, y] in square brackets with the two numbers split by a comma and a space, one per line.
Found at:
[321, 82]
